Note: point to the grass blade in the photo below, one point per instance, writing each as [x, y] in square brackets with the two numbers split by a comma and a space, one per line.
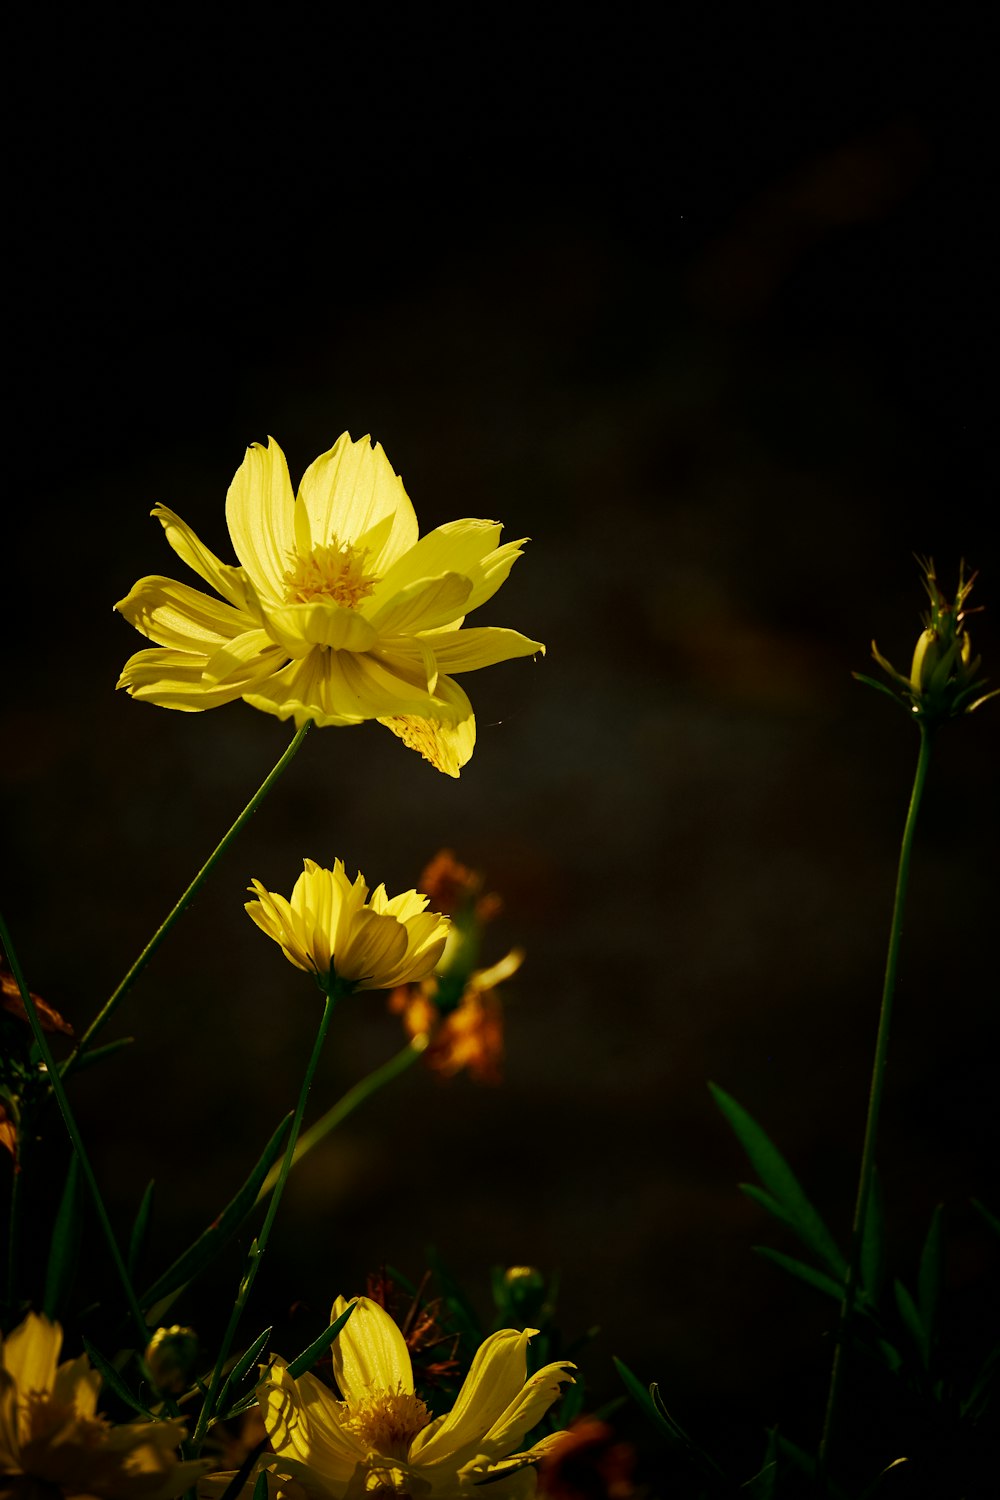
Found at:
[140, 1230]
[781, 1182]
[318, 1347]
[111, 1378]
[817, 1279]
[66, 1237]
[221, 1230]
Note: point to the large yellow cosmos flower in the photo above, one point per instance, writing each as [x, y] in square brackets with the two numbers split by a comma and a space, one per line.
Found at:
[337, 612]
[53, 1443]
[380, 1439]
[332, 928]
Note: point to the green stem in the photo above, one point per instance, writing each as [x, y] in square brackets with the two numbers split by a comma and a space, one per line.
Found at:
[199, 880]
[45, 1050]
[875, 1091]
[13, 1228]
[259, 1245]
[346, 1105]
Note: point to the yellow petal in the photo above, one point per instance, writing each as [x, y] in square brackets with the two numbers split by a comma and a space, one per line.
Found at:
[494, 1381]
[303, 1423]
[349, 493]
[30, 1354]
[370, 1350]
[528, 1407]
[481, 646]
[458, 547]
[299, 627]
[245, 659]
[422, 605]
[312, 688]
[172, 614]
[447, 743]
[174, 679]
[371, 954]
[9, 1438]
[226, 580]
[259, 514]
[76, 1384]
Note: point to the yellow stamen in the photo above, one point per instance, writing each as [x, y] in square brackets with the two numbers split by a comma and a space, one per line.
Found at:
[387, 1421]
[335, 571]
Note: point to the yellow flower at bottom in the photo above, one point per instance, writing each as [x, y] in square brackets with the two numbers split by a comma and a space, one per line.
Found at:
[333, 929]
[50, 1432]
[380, 1439]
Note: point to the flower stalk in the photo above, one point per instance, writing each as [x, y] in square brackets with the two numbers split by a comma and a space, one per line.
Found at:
[848, 1301]
[333, 991]
[45, 1051]
[112, 1004]
[396, 1065]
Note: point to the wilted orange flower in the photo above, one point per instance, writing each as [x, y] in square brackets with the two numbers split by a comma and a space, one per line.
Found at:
[471, 1035]
[452, 887]
[11, 1002]
[8, 1130]
[587, 1463]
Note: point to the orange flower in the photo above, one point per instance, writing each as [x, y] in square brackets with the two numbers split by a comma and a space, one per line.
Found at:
[471, 1035]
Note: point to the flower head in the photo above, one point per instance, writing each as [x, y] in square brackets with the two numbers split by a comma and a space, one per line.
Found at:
[380, 1438]
[943, 681]
[332, 928]
[337, 613]
[50, 1431]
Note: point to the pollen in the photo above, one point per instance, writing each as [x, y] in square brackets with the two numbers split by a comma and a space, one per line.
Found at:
[387, 1421]
[331, 571]
[419, 735]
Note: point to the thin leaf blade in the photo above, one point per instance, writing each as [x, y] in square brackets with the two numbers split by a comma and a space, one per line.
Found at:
[221, 1230]
[66, 1236]
[114, 1381]
[140, 1229]
[318, 1347]
[781, 1182]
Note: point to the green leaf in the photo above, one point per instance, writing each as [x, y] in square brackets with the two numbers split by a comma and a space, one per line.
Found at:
[218, 1233]
[981, 1391]
[140, 1230]
[873, 1243]
[260, 1488]
[644, 1400]
[114, 1381]
[804, 1272]
[930, 1278]
[911, 1318]
[101, 1054]
[651, 1404]
[65, 1243]
[781, 1182]
[318, 1347]
[242, 1368]
[762, 1485]
[987, 1214]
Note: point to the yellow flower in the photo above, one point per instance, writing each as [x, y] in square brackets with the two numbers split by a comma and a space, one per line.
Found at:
[331, 928]
[337, 613]
[381, 1440]
[50, 1431]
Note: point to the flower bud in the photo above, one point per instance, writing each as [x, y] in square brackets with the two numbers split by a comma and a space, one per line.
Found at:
[171, 1356]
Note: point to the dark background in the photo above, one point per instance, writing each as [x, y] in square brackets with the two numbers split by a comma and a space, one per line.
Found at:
[701, 306]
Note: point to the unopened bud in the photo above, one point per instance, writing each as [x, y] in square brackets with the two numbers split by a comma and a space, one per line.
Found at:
[171, 1356]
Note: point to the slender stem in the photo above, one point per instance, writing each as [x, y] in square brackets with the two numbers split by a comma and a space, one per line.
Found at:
[259, 1245]
[58, 1089]
[875, 1091]
[14, 1227]
[199, 880]
[347, 1104]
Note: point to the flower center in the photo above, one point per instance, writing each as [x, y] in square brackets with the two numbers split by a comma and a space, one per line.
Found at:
[335, 571]
[387, 1421]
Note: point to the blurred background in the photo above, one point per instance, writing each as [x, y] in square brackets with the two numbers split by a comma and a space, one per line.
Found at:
[698, 302]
